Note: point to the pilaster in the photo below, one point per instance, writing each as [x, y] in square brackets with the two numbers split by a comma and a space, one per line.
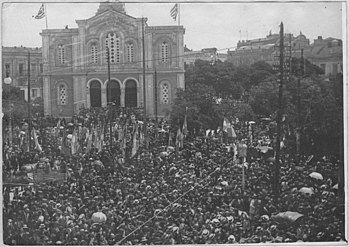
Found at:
[47, 95]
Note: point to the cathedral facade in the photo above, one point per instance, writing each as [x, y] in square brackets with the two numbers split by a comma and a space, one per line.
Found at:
[75, 64]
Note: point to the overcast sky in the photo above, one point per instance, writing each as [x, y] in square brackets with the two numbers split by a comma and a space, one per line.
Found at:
[207, 24]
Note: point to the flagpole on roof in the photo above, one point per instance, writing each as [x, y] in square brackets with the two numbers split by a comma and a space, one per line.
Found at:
[179, 15]
[46, 16]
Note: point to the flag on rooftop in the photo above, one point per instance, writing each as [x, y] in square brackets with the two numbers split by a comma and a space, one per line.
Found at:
[41, 13]
[174, 11]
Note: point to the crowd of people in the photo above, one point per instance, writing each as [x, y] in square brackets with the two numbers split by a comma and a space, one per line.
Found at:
[161, 196]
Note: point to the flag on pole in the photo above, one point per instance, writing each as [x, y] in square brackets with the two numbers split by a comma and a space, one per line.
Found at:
[228, 128]
[179, 139]
[135, 141]
[185, 126]
[226, 124]
[37, 145]
[41, 13]
[174, 11]
[89, 142]
[169, 139]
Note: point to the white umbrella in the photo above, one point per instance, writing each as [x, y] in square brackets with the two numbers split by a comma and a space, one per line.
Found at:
[335, 187]
[307, 190]
[316, 175]
[252, 122]
[70, 136]
[99, 217]
[164, 154]
[287, 217]
[170, 149]
[225, 183]
[265, 149]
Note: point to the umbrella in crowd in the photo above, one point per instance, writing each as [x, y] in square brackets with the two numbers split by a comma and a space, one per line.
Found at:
[307, 191]
[99, 217]
[287, 217]
[316, 175]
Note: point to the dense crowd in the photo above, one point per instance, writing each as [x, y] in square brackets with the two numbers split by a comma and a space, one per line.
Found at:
[160, 196]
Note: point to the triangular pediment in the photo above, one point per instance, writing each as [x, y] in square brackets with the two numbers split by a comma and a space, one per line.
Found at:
[109, 13]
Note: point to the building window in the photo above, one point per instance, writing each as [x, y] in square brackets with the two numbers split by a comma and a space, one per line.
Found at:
[62, 94]
[94, 54]
[164, 52]
[33, 68]
[22, 93]
[112, 42]
[21, 69]
[35, 93]
[41, 68]
[61, 54]
[335, 69]
[7, 70]
[165, 99]
[130, 53]
[323, 67]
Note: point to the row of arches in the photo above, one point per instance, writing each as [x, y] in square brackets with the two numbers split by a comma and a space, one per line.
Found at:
[113, 93]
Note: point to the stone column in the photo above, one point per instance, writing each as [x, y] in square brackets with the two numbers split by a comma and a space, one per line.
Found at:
[104, 96]
[122, 96]
[150, 94]
[47, 95]
[88, 96]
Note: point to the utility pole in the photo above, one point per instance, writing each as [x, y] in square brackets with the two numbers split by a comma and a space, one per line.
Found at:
[109, 103]
[29, 108]
[156, 95]
[144, 88]
[144, 92]
[300, 76]
[279, 112]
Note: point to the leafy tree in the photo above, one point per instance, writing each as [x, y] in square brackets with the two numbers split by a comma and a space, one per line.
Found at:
[12, 102]
[198, 99]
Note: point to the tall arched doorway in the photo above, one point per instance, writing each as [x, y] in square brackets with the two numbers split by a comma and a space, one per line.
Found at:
[131, 94]
[95, 94]
[113, 91]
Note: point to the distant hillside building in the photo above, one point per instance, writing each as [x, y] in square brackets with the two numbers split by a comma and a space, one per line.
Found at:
[15, 66]
[75, 63]
[327, 53]
[206, 54]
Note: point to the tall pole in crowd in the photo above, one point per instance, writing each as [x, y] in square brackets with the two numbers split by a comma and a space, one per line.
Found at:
[301, 73]
[109, 102]
[144, 88]
[29, 108]
[279, 112]
[156, 95]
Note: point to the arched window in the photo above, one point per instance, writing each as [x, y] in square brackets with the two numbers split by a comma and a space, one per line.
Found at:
[94, 53]
[61, 54]
[164, 52]
[62, 94]
[131, 94]
[165, 93]
[130, 53]
[112, 42]
[113, 92]
[95, 94]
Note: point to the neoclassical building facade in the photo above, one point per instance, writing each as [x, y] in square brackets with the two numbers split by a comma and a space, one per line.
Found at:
[75, 67]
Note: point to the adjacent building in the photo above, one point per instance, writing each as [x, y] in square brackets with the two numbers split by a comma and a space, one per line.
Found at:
[75, 63]
[206, 54]
[15, 66]
[325, 53]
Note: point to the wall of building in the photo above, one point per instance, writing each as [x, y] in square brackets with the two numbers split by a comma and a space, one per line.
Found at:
[15, 66]
[79, 69]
